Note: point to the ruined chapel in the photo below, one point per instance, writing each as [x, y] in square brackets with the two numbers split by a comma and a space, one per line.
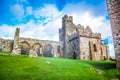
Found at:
[75, 41]
[80, 42]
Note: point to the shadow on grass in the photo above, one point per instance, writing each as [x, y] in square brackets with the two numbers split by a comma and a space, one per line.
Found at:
[104, 65]
[107, 66]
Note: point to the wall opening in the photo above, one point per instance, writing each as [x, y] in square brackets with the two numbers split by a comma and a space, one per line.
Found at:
[48, 51]
[38, 49]
[25, 48]
[74, 55]
[95, 48]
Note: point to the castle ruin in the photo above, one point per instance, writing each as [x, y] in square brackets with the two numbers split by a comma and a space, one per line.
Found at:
[114, 13]
[75, 41]
[80, 42]
[31, 47]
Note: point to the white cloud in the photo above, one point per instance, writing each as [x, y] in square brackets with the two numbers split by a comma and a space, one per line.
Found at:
[85, 17]
[18, 11]
[46, 14]
[48, 11]
[29, 10]
[33, 30]
[53, 19]
[111, 50]
[38, 30]
[7, 31]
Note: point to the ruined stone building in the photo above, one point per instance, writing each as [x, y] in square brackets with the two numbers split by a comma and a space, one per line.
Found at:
[31, 47]
[114, 12]
[75, 42]
[81, 43]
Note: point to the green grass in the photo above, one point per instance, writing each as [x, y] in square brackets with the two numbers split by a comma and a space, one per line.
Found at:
[4, 53]
[26, 68]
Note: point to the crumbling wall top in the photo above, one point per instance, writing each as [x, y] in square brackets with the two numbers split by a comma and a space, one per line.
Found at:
[67, 18]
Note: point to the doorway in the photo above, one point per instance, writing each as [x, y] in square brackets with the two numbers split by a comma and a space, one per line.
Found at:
[74, 55]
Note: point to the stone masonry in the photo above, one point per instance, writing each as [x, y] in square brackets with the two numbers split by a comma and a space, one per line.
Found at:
[81, 43]
[75, 42]
[16, 50]
[31, 47]
[114, 13]
[6, 44]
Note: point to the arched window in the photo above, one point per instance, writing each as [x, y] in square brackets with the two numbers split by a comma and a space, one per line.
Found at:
[95, 48]
[48, 51]
[25, 48]
[38, 49]
[58, 49]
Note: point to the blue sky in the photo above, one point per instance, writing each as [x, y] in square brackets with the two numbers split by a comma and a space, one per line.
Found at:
[8, 16]
[41, 19]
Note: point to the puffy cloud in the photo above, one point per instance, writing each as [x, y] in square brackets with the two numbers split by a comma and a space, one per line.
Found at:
[38, 31]
[48, 10]
[29, 10]
[47, 13]
[49, 21]
[31, 29]
[7, 31]
[18, 11]
[86, 17]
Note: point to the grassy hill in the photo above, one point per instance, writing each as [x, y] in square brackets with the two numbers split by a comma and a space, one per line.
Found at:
[41, 68]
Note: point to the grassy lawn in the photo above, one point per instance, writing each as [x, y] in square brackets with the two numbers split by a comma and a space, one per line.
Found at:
[41, 68]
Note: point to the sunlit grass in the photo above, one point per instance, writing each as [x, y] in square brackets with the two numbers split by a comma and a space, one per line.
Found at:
[42, 68]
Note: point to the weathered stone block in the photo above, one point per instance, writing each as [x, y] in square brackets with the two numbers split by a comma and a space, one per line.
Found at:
[114, 12]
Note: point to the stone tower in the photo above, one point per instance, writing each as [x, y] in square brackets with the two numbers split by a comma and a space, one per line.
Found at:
[67, 21]
[16, 41]
[114, 13]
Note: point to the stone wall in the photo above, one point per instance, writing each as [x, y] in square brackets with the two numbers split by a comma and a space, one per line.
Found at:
[6, 44]
[74, 48]
[40, 47]
[0, 44]
[76, 40]
[32, 47]
[114, 12]
[65, 31]
[104, 52]
[16, 50]
[86, 45]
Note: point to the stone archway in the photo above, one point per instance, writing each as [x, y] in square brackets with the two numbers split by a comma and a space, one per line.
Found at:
[25, 48]
[48, 51]
[37, 47]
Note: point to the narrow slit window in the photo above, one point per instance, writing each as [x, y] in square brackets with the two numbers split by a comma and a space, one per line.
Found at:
[95, 48]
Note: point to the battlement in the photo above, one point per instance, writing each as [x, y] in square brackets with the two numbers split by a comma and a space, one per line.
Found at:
[67, 18]
[70, 30]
